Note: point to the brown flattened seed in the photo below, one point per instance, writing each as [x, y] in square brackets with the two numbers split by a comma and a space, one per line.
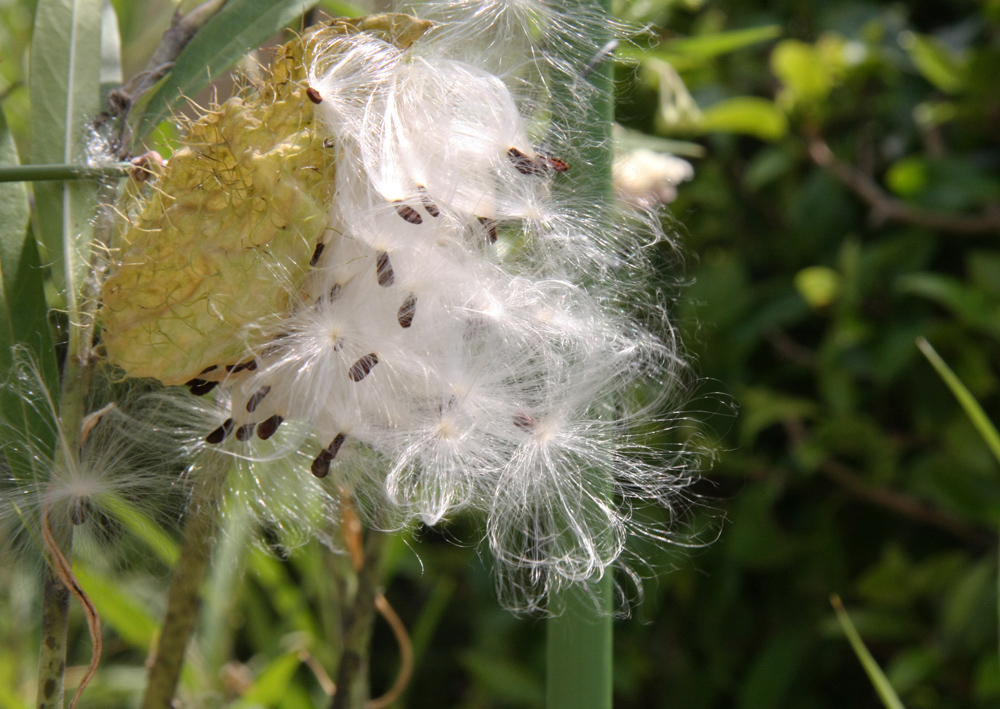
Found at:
[383, 269]
[258, 397]
[219, 434]
[408, 214]
[407, 311]
[363, 367]
[267, 427]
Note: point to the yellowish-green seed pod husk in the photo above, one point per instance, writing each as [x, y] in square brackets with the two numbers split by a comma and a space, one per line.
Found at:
[214, 255]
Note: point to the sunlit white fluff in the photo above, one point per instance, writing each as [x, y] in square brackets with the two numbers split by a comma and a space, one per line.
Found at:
[111, 479]
[473, 335]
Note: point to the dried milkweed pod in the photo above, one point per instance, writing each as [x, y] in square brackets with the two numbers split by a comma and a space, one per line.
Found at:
[215, 249]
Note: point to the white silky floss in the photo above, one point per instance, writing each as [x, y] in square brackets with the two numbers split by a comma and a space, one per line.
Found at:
[443, 329]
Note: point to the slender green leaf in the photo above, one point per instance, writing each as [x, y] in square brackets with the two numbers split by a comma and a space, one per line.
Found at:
[718, 43]
[878, 679]
[633, 140]
[691, 52]
[238, 27]
[118, 609]
[144, 529]
[745, 114]
[272, 683]
[341, 9]
[972, 408]
[934, 61]
[111, 51]
[21, 284]
[65, 95]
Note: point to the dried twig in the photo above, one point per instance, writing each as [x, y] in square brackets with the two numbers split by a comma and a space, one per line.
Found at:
[887, 498]
[885, 207]
[120, 101]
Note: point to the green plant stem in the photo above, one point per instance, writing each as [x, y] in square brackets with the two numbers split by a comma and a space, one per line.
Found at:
[39, 173]
[55, 622]
[579, 668]
[357, 591]
[76, 378]
[579, 665]
[55, 594]
[184, 597]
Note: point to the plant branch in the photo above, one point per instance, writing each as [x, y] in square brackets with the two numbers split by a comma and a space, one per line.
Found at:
[55, 623]
[38, 173]
[77, 373]
[885, 207]
[121, 101]
[184, 597]
[898, 502]
[901, 503]
[358, 591]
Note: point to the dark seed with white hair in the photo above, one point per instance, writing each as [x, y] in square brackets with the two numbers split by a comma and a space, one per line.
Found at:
[321, 465]
[79, 510]
[317, 253]
[383, 269]
[523, 164]
[199, 387]
[429, 205]
[363, 367]
[267, 427]
[244, 432]
[408, 213]
[525, 421]
[490, 225]
[258, 397]
[219, 434]
[407, 311]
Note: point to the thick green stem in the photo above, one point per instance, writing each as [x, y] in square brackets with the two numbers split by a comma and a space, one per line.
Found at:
[579, 668]
[72, 406]
[184, 598]
[39, 173]
[55, 622]
[357, 592]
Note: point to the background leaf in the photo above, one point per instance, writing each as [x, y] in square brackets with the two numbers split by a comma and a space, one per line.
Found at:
[65, 95]
[745, 114]
[23, 313]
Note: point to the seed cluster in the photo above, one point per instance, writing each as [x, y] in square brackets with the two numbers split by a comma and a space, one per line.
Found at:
[430, 317]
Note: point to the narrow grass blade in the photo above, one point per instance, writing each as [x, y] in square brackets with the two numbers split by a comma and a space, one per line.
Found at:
[972, 409]
[144, 529]
[65, 95]
[878, 679]
[968, 402]
[130, 620]
[238, 27]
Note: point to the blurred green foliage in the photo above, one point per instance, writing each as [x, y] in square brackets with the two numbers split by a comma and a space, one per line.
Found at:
[848, 202]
